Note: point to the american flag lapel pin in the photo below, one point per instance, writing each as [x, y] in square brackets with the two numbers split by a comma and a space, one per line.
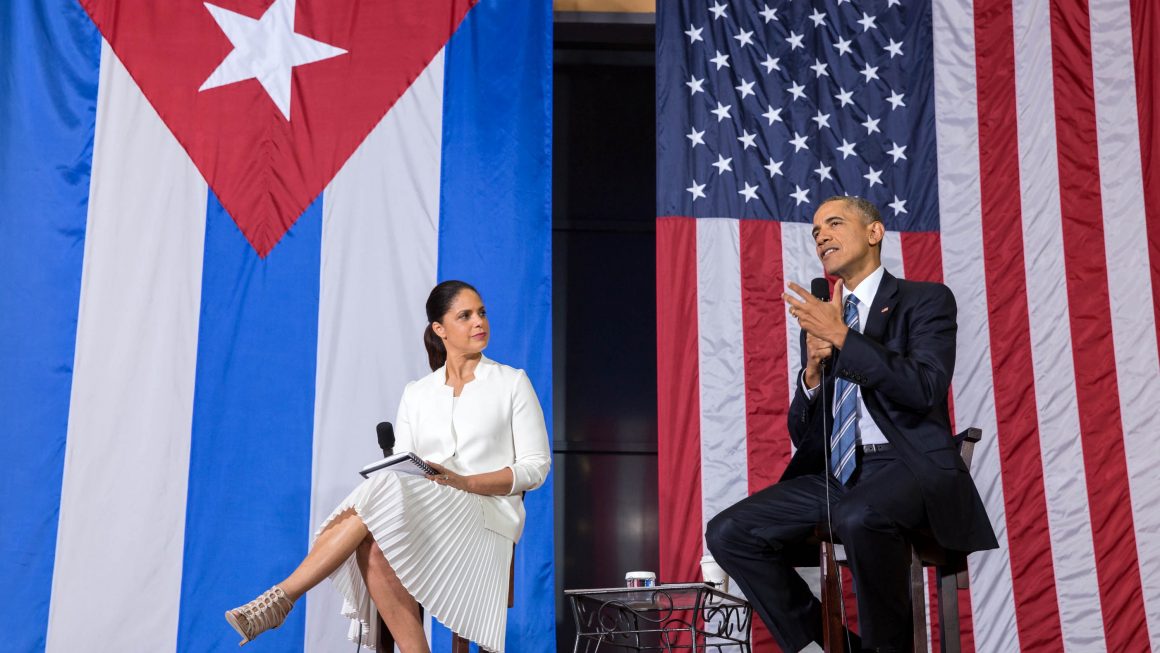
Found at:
[884, 309]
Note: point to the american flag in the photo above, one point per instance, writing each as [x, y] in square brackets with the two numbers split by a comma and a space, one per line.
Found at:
[1009, 147]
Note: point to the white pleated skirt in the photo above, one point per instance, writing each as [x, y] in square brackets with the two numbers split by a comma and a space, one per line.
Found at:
[434, 538]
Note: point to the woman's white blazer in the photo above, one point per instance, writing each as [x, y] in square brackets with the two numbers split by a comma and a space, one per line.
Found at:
[498, 423]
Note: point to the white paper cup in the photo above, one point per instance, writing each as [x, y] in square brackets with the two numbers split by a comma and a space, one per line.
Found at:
[712, 572]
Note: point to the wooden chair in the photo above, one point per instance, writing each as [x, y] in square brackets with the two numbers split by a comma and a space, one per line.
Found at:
[950, 570]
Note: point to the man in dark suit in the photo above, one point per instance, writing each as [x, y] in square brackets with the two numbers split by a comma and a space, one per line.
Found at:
[879, 365]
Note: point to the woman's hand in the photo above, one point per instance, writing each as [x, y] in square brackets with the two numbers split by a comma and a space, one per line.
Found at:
[449, 478]
[495, 483]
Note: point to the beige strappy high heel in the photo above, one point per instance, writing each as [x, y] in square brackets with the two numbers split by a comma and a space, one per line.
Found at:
[267, 611]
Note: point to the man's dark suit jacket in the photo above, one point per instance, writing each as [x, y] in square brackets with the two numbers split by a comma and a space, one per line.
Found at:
[903, 362]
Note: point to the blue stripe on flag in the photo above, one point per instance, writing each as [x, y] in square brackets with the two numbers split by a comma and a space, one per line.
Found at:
[495, 232]
[247, 518]
[49, 66]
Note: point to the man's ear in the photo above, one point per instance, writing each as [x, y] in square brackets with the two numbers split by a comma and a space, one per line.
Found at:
[877, 232]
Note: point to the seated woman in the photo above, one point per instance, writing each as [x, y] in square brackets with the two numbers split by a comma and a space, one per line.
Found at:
[444, 541]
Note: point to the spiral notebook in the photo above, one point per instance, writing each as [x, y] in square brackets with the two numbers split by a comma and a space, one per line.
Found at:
[403, 462]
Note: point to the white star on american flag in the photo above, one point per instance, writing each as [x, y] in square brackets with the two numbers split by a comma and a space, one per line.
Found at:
[774, 168]
[723, 165]
[750, 192]
[847, 149]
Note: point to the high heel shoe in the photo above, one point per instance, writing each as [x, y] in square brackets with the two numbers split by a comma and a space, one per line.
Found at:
[267, 611]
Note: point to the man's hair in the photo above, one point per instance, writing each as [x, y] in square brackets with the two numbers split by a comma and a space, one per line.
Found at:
[863, 206]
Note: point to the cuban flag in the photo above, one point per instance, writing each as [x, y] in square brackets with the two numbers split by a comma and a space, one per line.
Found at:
[219, 223]
[1011, 147]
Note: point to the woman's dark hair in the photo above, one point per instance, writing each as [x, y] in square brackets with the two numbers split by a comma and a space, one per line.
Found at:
[438, 303]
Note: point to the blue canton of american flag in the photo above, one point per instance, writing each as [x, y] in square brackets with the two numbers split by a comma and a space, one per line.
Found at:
[765, 109]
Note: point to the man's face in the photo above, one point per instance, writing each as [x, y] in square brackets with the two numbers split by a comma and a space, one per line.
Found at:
[843, 238]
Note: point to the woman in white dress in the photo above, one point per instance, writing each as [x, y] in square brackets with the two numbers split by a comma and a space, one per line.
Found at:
[445, 541]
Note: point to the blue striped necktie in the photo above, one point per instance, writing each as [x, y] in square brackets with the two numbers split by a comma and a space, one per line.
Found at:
[844, 439]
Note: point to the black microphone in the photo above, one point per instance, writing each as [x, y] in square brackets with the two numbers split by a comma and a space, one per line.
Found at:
[820, 288]
[386, 437]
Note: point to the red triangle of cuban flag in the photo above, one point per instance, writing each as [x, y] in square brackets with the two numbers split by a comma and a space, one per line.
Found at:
[271, 97]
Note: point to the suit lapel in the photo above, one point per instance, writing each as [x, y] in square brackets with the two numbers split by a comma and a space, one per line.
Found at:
[883, 307]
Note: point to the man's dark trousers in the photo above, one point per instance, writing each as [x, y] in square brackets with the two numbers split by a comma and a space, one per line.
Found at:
[758, 540]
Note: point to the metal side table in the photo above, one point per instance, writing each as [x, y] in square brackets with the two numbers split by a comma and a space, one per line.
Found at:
[692, 616]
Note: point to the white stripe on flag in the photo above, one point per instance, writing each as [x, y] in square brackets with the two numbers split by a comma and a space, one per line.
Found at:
[122, 514]
[892, 254]
[799, 264]
[957, 128]
[724, 467]
[379, 251]
[1064, 484]
[1129, 283]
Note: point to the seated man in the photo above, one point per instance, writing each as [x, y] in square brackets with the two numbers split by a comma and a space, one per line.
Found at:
[875, 454]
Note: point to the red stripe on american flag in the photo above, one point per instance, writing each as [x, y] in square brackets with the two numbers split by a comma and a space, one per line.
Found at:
[766, 402]
[1097, 391]
[764, 328]
[1145, 28]
[922, 259]
[678, 401]
[922, 256]
[1032, 566]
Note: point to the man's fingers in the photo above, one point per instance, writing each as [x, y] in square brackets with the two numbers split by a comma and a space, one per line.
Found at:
[805, 294]
[837, 296]
[794, 302]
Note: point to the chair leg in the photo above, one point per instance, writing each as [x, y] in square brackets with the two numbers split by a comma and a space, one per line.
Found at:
[918, 603]
[948, 612]
[833, 632]
[458, 644]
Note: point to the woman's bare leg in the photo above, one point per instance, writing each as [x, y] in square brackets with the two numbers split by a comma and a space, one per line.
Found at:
[398, 608]
[334, 545]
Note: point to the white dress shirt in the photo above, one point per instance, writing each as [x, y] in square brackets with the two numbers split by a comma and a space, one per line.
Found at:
[495, 422]
[868, 431]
